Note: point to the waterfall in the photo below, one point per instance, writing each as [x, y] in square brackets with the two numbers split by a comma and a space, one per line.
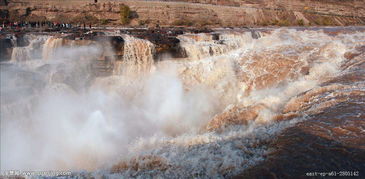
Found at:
[50, 47]
[138, 57]
[30, 52]
[198, 46]
[182, 118]
[20, 54]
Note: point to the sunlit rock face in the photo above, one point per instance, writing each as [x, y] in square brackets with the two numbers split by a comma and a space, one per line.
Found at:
[196, 13]
[228, 108]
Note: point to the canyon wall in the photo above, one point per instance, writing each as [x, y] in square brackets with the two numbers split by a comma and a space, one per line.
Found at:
[207, 13]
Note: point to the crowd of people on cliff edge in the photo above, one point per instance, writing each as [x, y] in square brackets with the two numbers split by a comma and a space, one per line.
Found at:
[40, 24]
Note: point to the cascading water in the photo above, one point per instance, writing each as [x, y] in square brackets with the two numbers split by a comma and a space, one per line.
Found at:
[208, 118]
[137, 58]
[20, 54]
[198, 46]
[32, 51]
[50, 46]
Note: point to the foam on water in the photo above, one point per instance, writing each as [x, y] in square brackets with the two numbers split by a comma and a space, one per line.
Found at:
[177, 119]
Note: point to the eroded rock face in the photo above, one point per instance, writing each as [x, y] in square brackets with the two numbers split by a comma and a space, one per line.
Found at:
[164, 39]
[5, 49]
[201, 13]
[326, 141]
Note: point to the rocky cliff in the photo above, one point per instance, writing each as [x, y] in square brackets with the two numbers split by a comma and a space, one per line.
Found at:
[207, 13]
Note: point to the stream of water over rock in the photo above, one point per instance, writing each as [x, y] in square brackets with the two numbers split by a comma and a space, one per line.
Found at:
[228, 108]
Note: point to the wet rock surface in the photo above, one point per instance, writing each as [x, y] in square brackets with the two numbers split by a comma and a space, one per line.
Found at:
[163, 38]
[286, 101]
[5, 49]
[330, 141]
[332, 137]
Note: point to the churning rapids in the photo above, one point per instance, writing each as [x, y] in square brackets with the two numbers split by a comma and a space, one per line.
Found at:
[241, 103]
